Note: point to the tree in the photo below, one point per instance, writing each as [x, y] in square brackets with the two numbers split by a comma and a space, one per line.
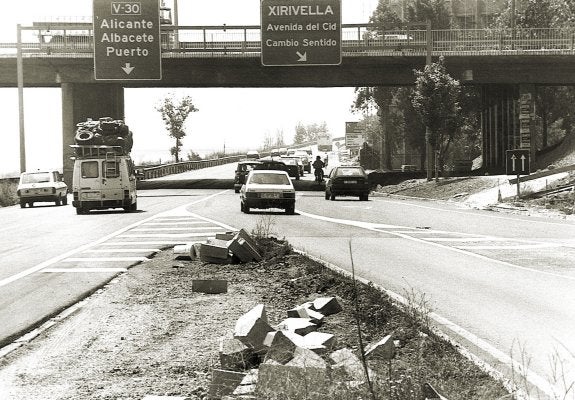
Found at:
[436, 101]
[433, 10]
[310, 132]
[174, 114]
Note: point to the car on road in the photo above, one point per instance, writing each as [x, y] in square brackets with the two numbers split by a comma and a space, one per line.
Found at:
[271, 163]
[253, 155]
[294, 166]
[42, 186]
[242, 170]
[305, 159]
[268, 189]
[347, 181]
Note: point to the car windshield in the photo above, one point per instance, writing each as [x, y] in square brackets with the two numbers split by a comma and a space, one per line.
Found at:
[37, 177]
[349, 172]
[289, 161]
[270, 179]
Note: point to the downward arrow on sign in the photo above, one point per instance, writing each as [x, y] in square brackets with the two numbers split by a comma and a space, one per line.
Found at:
[127, 68]
[302, 57]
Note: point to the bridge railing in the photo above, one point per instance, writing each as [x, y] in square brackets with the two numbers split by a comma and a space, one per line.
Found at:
[180, 167]
[75, 40]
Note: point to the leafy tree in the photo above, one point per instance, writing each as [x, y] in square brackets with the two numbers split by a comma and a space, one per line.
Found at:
[310, 132]
[385, 19]
[433, 10]
[174, 114]
[436, 100]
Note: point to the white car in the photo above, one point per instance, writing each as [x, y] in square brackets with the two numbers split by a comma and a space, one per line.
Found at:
[40, 186]
[268, 189]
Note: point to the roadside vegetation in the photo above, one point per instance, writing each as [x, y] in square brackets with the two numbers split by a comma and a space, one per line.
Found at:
[8, 195]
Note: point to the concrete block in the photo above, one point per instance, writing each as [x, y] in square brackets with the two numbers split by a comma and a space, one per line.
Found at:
[252, 327]
[301, 326]
[326, 305]
[302, 378]
[224, 383]
[234, 355]
[319, 342]
[280, 347]
[210, 286]
[184, 251]
[306, 312]
[241, 249]
[382, 350]
[247, 386]
[213, 250]
[225, 236]
[348, 364]
[429, 393]
[215, 260]
[247, 237]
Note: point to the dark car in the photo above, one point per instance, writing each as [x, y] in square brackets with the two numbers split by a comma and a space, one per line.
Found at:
[242, 170]
[294, 166]
[272, 164]
[347, 181]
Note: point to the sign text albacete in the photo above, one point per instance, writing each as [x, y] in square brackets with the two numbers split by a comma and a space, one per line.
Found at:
[127, 40]
[301, 32]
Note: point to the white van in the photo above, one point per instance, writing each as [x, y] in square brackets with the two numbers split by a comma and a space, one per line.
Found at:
[104, 177]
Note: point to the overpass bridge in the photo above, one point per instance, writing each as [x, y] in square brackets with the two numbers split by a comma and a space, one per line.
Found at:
[507, 64]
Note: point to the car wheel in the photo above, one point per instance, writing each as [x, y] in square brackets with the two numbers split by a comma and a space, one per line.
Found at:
[65, 200]
[30, 204]
[363, 197]
[80, 210]
[237, 190]
[332, 197]
[326, 195]
[290, 210]
[297, 177]
[58, 200]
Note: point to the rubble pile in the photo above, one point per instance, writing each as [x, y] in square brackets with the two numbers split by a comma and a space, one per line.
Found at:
[104, 131]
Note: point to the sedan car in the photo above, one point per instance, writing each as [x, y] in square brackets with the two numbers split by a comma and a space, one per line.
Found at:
[268, 189]
[294, 166]
[41, 186]
[242, 170]
[347, 181]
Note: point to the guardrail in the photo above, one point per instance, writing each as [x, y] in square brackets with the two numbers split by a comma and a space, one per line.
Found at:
[76, 41]
[178, 168]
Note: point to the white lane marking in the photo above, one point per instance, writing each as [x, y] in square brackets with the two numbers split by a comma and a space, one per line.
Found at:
[146, 242]
[195, 228]
[121, 250]
[102, 259]
[531, 376]
[82, 270]
[175, 223]
[169, 235]
[367, 225]
[512, 247]
[87, 246]
[470, 239]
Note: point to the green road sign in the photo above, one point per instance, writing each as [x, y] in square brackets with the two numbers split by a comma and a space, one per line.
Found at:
[127, 40]
[301, 32]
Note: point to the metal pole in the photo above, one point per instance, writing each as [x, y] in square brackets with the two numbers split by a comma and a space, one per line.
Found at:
[512, 24]
[20, 74]
[428, 149]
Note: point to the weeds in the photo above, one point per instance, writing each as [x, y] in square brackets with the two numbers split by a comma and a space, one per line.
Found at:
[263, 228]
[8, 195]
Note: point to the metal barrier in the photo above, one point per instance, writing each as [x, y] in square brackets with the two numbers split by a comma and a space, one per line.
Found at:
[76, 41]
[178, 168]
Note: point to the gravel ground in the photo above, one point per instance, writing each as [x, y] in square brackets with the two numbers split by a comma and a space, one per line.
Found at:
[146, 333]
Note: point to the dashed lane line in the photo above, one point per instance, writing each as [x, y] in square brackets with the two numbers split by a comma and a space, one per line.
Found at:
[197, 228]
[113, 250]
[168, 235]
[104, 259]
[83, 270]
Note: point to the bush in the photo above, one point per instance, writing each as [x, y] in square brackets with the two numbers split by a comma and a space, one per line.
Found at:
[8, 195]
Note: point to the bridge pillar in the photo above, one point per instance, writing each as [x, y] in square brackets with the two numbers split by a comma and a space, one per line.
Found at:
[499, 124]
[86, 100]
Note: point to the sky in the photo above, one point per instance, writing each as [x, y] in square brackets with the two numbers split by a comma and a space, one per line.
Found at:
[222, 119]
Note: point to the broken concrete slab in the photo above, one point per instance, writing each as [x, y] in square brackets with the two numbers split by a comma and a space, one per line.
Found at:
[280, 347]
[184, 251]
[209, 286]
[234, 355]
[243, 250]
[301, 326]
[224, 382]
[383, 350]
[225, 236]
[319, 342]
[348, 364]
[247, 237]
[326, 305]
[209, 251]
[429, 393]
[306, 376]
[247, 386]
[252, 328]
[306, 312]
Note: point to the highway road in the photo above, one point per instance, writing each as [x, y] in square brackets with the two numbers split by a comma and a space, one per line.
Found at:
[501, 285]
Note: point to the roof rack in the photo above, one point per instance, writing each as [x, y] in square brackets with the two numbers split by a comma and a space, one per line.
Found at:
[96, 151]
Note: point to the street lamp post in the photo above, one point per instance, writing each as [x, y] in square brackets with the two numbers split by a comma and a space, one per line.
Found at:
[20, 78]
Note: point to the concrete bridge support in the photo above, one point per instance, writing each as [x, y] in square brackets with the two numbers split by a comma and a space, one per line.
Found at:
[506, 123]
[86, 100]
